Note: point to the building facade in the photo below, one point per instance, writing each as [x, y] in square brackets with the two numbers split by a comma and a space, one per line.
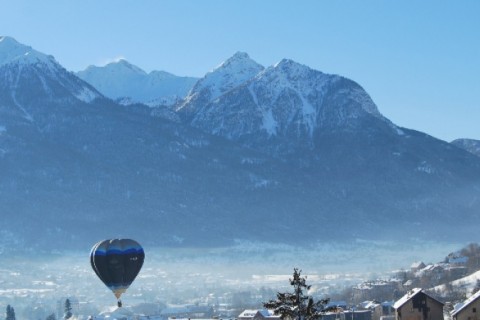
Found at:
[418, 305]
[469, 310]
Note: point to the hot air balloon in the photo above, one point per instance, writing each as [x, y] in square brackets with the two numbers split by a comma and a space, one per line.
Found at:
[117, 262]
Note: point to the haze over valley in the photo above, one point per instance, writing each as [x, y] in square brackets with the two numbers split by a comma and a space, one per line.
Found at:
[229, 181]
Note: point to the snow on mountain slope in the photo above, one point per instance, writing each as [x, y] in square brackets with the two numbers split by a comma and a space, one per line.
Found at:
[121, 79]
[13, 52]
[467, 283]
[86, 170]
[230, 74]
[23, 68]
[287, 101]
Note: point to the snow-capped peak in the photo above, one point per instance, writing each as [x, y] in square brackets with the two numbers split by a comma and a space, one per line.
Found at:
[125, 81]
[25, 69]
[238, 58]
[288, 102]
[119, 67]
[239, 62]
[231, 73]
[124, 64]
[285, 63]
[293, 75]
[306, 81]
[292, 69]
[11, 51]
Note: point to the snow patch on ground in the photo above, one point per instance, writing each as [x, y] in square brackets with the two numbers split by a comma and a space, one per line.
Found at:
[425, 167]
[467, 283]
[26, 115]
[253, 94]
[251, 161]
[260, 183]
[269, 123]
[309, 114]
[86, 95]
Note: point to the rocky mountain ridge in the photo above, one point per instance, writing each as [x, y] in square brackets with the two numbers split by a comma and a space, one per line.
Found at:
[128, 84]
[324, 166]
[471, 145]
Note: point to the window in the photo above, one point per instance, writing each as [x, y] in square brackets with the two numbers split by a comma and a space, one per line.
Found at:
[474, 310]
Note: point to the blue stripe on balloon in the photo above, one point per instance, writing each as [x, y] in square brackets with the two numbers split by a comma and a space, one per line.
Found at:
[133, 250]
[113, 251]
[100, 253]
[125, 251]
[119, 252]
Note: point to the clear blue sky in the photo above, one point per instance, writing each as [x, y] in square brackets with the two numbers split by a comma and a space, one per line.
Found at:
[419, 60]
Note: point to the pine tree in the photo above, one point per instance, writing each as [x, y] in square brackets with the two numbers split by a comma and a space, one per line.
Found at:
[297, 305]
[67, 310]
[51, 317]
[10, 313]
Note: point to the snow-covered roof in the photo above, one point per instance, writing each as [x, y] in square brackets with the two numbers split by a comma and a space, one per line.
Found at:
[406, 297]
[410, 294]
[466, 303]
[266, 313]
[408, 283]
[369, 304]
[250, 313]
[417, 264]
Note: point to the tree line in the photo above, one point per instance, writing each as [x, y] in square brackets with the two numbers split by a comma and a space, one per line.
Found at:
[10, 312]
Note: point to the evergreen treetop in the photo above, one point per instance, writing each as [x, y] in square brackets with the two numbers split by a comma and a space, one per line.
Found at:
[67, 310]
[10, 314]
[297, 305]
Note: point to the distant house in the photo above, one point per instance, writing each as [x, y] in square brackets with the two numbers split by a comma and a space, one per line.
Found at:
[375, 290]
[358, 315]
[416, 266]
[457, 259]
[349, 315]
[418, 305]
[387, 308]
[434, 271]
[336, 305]
[374, 307]
[378, 310]
[469, 310]
[262, 314]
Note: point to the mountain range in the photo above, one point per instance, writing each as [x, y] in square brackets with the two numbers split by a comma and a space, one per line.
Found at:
[129, 84]
[283, 154]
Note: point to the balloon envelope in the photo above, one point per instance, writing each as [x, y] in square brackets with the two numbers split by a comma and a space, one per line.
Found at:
[117, 262]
